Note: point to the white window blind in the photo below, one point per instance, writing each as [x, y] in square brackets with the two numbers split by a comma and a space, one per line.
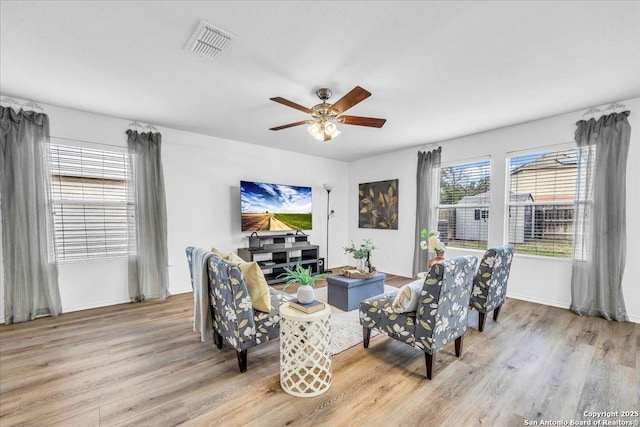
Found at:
[541, 197]
[89, 193]
[463, 214]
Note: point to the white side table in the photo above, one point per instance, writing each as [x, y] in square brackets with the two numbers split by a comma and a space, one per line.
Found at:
[305, 357]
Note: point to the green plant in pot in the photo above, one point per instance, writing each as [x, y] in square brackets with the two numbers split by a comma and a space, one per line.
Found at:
[361, 253]
[306, 280]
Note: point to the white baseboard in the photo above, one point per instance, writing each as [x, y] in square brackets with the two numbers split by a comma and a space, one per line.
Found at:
[539, 300]
[94, 305]
[633, 319]
[116, 302]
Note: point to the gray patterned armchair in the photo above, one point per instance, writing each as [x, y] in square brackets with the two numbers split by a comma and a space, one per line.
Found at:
[441, 316]
[233, 317]
[490, 283]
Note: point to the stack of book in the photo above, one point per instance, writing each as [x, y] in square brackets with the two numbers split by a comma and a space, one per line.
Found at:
[309, 308]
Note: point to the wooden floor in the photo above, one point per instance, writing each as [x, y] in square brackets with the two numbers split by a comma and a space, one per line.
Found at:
[142, 364]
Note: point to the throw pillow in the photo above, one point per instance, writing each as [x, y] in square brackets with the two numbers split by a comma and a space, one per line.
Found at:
[257, 286]
[235, 259]
[219, 253]
[408, 296]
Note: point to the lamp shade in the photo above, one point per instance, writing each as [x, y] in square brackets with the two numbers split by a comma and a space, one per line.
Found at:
[328, 186]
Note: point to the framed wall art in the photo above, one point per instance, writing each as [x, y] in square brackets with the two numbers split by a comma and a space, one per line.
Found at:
[378, 205]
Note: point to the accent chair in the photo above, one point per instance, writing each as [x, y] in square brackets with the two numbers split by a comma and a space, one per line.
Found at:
[234, 319]
[490, 283]
[440, 316]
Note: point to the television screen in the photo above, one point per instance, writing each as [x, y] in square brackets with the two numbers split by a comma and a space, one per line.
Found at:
[273, 207]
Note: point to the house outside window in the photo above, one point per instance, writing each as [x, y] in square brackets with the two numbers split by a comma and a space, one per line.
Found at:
[540, 205]
[90, 202]
[463, 213]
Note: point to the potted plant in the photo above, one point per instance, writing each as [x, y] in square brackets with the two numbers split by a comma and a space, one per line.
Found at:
[306, 280]
[361, 253]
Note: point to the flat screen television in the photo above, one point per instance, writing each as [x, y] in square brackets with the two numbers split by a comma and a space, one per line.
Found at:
[274, 207]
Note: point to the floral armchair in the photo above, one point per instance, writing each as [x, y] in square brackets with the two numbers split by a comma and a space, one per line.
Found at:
[441, 316]
[233, 317]
[490, 283]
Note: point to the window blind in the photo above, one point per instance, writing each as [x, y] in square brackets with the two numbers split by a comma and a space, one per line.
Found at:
[541, 197]
[90, 199]
[463, 214]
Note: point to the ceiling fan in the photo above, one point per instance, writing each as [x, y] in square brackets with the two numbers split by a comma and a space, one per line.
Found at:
[325, 116]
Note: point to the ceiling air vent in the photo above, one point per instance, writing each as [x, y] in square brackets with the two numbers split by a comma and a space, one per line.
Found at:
[209, 41]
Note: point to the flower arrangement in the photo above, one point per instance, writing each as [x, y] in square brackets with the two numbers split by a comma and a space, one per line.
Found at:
[432, 241]
[362, 251]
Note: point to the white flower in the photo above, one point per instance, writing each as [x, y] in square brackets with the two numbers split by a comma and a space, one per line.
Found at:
[442, 325]
[229, 313]
[245, 303]
[400, 330]
[459, 280]
[435, 244]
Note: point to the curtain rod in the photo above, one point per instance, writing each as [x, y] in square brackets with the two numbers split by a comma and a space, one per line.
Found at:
[137, 125]
[429, 146]
[594, 110]
[88, 142]
[27, 104]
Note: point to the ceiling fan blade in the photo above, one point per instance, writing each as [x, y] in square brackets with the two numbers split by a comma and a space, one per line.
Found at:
[356, 95]
[291, 104]
[290, 125]
[362, 121]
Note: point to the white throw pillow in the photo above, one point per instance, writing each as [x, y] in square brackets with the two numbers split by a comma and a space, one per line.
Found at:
[408, 296]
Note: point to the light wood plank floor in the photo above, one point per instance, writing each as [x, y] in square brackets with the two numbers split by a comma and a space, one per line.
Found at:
[142, 364]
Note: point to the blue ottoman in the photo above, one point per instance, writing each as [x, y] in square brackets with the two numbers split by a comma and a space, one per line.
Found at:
[346, 293]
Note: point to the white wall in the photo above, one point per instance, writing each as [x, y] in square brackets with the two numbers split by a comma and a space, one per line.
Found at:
[536, 279]
[202, 178]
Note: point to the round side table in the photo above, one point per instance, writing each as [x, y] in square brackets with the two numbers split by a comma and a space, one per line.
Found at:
[305, 357]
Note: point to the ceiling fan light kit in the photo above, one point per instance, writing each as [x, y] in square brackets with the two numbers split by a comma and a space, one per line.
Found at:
[325, 116]
[323, 131]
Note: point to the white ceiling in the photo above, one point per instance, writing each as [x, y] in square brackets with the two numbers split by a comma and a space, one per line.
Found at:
[437, 70]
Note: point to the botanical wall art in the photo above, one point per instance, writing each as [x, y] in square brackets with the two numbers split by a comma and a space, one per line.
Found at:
[378, 205]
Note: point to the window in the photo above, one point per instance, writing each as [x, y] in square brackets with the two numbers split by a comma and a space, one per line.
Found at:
[463, 214]
[542, 188]
[89, 194]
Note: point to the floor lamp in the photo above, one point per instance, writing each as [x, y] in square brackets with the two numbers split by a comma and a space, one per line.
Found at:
[328, 187]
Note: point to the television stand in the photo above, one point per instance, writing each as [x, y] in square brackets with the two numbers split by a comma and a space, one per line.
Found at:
[278, 251]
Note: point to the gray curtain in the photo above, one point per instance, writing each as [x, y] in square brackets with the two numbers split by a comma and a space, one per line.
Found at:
[427, 200]
[600, 218]
[148, 273]
[29, 262]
